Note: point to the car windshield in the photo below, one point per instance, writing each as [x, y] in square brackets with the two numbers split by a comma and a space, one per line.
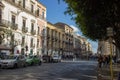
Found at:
[9, 57]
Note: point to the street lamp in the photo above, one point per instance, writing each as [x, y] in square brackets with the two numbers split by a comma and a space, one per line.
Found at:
[110, 34]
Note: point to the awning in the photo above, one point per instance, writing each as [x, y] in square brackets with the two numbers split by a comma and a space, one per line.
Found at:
[4, 48]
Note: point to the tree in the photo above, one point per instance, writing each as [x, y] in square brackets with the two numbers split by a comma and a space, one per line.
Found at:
[94, 16]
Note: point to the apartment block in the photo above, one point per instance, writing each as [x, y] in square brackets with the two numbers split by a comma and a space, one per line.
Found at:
[68, 38]
[41, 25]
[19, 26]
[55, 40]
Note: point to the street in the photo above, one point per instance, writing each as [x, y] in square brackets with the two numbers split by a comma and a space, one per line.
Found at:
[66, 70]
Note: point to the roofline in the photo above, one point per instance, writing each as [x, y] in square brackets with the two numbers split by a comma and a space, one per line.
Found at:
[65, 24]
[41, 3]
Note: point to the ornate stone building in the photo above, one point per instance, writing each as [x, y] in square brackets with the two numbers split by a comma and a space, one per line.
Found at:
[54, 40]
[67, 38]
[41, 25]
[18, 25]
[82, 48]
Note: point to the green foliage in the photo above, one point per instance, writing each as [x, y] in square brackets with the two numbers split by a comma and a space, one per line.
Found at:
[94, 16]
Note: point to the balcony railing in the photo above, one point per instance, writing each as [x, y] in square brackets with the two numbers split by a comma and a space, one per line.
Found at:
[41, 17]
[33, 32]
[14, 26]
[25, 29]
[4, 23]
[20, 5]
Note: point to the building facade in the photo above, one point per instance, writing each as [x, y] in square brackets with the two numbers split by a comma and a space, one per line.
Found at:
[82, 48]
[25, 30]
[67, 38]
[41, 25]
[19, 25]
[77, 46]
[104, 48]
[54, 40]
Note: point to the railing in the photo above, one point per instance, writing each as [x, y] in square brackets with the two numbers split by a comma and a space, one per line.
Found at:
[4, 23]
[14, 26]
[19, 4]
[41, 17]
[25, 29]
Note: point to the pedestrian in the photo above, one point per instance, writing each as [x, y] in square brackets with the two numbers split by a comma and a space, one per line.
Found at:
[100, 60]
[108, 59]
[104, 60]
[114, 58]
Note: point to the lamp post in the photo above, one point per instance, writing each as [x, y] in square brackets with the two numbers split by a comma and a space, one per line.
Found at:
[110, 34]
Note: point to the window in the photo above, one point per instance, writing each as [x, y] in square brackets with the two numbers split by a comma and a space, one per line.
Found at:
[0, 15]
[13, 19]
[43, 32]
[37, 43]
[24, 22]
[38, 11]
[13, 1]
[32, 26]
[23, 3]
[43, 14]
[38, 30]
[31, 44]
[32, 8]
[23, 41]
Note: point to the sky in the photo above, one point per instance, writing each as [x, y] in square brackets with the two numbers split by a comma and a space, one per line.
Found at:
[55, 13]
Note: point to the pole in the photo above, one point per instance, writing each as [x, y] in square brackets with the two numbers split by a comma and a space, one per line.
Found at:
[111, 68]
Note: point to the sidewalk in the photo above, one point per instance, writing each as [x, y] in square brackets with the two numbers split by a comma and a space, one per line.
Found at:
[104, 72]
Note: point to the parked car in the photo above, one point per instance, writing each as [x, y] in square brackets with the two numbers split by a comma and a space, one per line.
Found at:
[13, 61]
[31, 60]
[46, 58]
[56, 58]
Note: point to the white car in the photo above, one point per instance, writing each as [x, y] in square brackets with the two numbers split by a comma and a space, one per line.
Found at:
[13, 61]
[56, 58]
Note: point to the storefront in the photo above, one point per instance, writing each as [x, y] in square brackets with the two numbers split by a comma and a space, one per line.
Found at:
[4, 50]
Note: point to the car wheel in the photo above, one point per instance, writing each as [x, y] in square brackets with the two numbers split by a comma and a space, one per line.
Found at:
[32, 63]
[40, 63]
[25, 64]
[15, 65]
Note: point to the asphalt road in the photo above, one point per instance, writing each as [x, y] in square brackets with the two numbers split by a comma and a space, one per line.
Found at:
[66, 70]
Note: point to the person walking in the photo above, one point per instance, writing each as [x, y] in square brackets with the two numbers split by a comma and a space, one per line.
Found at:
[100, 60]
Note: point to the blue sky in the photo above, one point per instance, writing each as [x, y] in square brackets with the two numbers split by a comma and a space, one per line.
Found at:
[55, 13]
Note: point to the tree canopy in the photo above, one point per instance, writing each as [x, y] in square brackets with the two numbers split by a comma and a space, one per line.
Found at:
[94, 16]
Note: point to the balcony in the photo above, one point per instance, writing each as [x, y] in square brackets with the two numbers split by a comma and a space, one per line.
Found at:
[14, 26]
[19, 4]
[33, 32]
[41, 17]
[48, 35]
[25, 29]
[4, 23]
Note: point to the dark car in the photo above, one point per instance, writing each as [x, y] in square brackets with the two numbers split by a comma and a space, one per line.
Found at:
[47, 58]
